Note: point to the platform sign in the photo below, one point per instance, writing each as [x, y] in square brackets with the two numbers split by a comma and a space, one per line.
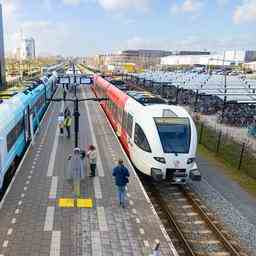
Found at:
[85, 80]
[64, 80]
[72, 79]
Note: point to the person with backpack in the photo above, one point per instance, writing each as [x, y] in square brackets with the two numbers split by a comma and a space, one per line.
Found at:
[67, 112]
[121, 174]
[77, 171]
[67, 124]
[92, 156]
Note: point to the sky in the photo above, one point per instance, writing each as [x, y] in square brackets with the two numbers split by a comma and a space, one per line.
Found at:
[88, 27]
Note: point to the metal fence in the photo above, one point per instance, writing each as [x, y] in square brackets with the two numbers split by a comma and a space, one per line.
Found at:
[238, 155]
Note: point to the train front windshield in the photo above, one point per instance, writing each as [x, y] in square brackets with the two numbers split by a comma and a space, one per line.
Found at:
[174, 133]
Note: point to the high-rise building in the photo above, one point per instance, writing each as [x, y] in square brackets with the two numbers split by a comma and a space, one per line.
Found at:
[27, 48]
[2, 64]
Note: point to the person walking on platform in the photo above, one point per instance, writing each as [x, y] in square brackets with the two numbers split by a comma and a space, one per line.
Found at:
[77, 171]
[67, 124]
[64, 94]
[121, 174]
[92, 156]
[61, 122]
[67, 112]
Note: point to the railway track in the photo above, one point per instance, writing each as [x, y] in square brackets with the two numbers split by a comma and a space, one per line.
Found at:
[192, 227]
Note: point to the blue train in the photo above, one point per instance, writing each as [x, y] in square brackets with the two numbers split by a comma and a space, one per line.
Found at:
[19, 118]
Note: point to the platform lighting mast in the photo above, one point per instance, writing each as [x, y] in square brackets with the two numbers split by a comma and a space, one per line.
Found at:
[76, 113]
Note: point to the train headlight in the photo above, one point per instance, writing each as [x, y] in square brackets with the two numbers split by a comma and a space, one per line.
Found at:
[160, 159]
[191, 160]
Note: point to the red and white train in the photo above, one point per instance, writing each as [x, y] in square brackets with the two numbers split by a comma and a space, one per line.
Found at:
[160, 139]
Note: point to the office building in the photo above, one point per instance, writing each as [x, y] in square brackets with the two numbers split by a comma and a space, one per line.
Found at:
[27, 49]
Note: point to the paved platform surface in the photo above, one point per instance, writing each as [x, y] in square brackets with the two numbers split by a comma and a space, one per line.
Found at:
[33, 224]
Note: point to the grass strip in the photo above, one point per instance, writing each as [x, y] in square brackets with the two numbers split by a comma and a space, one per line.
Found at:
[238, 176]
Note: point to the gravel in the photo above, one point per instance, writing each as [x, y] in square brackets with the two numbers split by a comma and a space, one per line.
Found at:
[233, 219]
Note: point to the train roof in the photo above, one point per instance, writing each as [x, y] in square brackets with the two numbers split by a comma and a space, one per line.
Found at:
[145, 98]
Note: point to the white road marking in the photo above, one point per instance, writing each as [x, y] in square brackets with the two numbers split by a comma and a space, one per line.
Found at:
[22, 195]
[55, 243]
[32, 166]
[5, 244]
[53, 189]
[54, 150]
[137, 220]
[49, 218]
[20, 202]
[96, 243]
[128, 195]
[34, 163]
[102, 218]
[29, 176]
[134, 211]
[94, 141]
[97, 188]
[142, 231]
[9, 232]
[17, 211]
[53, 154]
[25, 188]
[131, 202]
[27, 182]
[13, 220]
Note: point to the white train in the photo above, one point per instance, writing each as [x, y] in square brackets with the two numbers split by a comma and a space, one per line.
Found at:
[160, 139]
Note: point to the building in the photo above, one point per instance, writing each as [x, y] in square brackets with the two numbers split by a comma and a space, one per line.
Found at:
[2, 62]
[141, 58]
[250, 66]
[27, 50]
[225, 58]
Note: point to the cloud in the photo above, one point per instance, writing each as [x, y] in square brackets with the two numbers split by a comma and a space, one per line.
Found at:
[192, 42]
[116, 5]
[191, 6]
[222, 3]
[72, 2]
[187, 6]
[245, 12]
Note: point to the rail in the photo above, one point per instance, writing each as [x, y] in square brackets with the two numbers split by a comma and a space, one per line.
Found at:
[229, 247]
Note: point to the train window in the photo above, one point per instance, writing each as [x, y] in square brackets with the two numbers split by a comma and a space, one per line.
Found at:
[119, 114]
[140, 139]
[14, 134]
[129, 124]
[174, 133]
[124, 120]
[114, 111]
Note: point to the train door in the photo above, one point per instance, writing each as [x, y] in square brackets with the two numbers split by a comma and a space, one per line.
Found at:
[27, 125]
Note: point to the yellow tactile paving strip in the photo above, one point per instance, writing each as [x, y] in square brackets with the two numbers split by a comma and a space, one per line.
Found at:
[80, 203]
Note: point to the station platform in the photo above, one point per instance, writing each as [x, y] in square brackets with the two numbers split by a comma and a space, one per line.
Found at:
[39, 215]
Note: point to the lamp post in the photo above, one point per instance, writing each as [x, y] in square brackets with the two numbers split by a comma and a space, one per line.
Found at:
[76, 113]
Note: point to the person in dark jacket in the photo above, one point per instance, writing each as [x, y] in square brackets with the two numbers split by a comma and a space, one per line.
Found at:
[121, 174]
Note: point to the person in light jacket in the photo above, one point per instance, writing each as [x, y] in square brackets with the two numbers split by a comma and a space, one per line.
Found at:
[92, 156]
[77, 171]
